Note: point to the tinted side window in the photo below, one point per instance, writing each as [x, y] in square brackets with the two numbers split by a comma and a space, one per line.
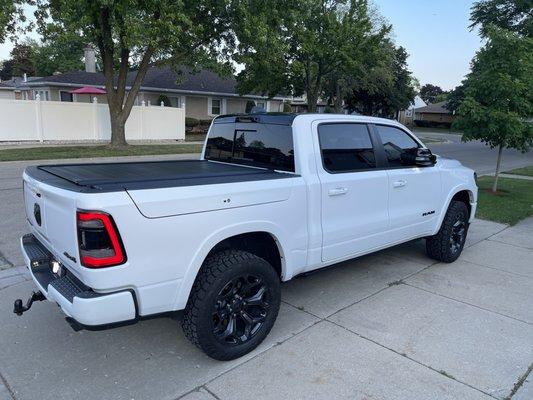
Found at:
[399, 146]
[261, 145]
[268, 146]
[346, 147]
[219, 145]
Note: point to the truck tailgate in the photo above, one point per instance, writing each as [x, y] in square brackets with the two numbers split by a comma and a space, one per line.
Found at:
[52, 214]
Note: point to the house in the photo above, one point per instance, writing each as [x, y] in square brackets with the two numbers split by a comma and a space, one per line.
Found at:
[434, 115]
[204, 94]
[406, 116]
[299, 105]
[10, 89]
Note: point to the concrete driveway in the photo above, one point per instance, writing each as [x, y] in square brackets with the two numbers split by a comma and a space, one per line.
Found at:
[392, 325]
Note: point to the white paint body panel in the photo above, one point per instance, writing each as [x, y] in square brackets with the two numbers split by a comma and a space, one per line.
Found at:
[168, 232]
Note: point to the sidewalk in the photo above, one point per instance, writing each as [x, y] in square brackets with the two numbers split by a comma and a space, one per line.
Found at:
[392, 325]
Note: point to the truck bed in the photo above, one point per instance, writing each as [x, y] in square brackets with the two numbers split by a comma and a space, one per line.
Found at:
[110, 177]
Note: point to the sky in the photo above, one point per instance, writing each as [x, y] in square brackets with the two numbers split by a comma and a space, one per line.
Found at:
[434, 32]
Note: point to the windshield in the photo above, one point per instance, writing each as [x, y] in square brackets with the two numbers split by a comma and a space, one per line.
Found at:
[255, 144]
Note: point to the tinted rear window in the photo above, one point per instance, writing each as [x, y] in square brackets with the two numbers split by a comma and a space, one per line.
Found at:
[261, 145]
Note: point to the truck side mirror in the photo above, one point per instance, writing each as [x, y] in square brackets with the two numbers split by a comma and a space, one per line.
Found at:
[425, 158]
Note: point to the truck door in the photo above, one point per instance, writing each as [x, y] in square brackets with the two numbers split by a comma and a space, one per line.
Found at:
[354, 190]
[414, 192]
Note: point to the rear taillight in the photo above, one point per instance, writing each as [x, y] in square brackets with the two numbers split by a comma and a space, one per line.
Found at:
[98, 240]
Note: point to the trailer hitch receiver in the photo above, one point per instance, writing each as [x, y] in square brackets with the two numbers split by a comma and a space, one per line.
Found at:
[19, 309]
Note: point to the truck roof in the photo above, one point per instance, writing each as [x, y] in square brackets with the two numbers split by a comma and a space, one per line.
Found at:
[290, 119]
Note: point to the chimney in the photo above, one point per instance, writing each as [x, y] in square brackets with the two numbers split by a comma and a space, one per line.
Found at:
[90, 59]
[25, 77]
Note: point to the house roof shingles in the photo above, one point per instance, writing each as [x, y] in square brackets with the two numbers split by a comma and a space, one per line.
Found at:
[436, 108]
[156, 79]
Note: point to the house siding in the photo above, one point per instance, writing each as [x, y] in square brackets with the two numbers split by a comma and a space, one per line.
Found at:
[196, 107]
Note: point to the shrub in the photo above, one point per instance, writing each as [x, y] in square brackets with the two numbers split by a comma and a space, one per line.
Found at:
[164, 99]
[191, 122]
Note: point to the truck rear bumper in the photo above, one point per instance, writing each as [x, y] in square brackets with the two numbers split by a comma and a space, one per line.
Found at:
[76, 300]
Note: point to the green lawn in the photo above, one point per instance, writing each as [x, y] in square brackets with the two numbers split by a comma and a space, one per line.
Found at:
[51, 153]
[512, 203]
[528, 171]
[195, 137]
[422, 129]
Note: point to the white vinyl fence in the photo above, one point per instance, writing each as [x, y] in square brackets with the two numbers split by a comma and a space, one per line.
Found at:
[22, 120]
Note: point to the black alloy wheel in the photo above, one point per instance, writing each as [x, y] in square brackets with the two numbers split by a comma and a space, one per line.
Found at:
[241, 309]
[233, 304]
[458, 235]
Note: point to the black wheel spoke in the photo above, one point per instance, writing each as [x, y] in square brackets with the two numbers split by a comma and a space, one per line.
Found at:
[257, 298]
[458, 234]
[230, 328]
[240, 309]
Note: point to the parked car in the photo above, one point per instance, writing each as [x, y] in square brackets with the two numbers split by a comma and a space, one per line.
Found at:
[273, 196]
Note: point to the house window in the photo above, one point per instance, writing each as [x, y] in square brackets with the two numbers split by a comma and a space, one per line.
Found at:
[175, 101]
[65, 96]
[25, 95]
[44, 95]
[216, 107]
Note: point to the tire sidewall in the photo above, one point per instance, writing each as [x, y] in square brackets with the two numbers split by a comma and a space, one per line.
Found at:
[206, 339]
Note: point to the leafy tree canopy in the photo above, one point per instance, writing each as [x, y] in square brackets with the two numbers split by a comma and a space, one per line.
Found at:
[59, 52]
[12, 19]
[498, 94]
[429, 92]
[387, 88]
[512, 15]
[291, 46]
[22, 57]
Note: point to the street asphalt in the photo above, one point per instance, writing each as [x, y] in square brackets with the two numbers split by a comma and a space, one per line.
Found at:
[391, 325]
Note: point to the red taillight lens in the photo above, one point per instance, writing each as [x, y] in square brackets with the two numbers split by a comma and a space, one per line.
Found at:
[98, 240]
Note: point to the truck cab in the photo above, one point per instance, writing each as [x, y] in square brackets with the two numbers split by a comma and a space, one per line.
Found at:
[272, 196]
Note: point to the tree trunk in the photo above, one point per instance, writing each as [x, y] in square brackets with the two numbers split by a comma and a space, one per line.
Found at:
[498, 164]
[312, 99]
[337, 103]
[118, 130]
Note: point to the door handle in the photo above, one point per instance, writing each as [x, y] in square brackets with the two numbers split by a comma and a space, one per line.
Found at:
[338, 191]
[400, 183]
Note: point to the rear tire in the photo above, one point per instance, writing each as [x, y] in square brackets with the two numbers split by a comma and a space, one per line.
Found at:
[448, 243]
[233, 304]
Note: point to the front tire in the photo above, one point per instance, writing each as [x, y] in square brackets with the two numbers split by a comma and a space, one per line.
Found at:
[233, 304]
[447, 245]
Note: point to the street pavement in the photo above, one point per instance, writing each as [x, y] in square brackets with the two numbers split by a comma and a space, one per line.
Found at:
[475, 154]
[390, 325]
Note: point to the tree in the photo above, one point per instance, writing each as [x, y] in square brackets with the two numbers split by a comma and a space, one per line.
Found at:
[455, 98]
[498, 102]
[295, 47]
[22, 56]
[442, 97]
[512, 15]
[429, 92]
[12, 19]
[130, 33]
[387, 88]
[59, 52]
[6, 70]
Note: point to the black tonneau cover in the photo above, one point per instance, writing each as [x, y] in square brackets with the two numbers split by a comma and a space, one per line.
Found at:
[109, 177]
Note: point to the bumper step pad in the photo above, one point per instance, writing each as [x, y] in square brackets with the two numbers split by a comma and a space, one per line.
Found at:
[40, 260]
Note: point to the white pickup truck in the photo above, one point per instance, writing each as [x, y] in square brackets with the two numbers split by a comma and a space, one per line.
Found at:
[272, 196]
